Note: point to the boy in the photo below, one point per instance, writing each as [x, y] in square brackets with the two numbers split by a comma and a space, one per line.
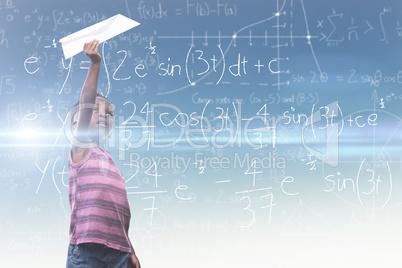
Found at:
[100, 212]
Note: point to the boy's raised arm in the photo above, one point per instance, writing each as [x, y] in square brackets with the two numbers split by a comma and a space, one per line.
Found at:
[90, 87]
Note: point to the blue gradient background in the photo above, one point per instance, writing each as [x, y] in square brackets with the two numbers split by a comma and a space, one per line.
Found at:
[197, 221]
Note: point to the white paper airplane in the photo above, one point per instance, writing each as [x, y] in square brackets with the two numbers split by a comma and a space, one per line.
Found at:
[102, 31]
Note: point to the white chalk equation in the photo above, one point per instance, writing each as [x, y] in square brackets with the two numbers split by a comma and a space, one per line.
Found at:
[223, 126]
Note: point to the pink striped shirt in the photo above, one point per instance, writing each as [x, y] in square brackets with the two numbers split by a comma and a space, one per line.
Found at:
[100, 212]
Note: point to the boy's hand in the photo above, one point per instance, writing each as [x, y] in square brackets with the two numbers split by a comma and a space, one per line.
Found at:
[133, 262]
[91, 50]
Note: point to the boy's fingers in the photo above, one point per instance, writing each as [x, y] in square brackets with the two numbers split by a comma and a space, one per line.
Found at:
[90, 49]
[87, 47]
[97, 46]
[92, 46]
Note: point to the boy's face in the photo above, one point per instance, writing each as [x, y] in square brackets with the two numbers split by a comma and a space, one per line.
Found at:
[101, 123]
[102, 116]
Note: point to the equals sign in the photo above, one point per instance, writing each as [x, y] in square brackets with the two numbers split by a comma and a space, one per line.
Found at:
[47, 18]
[339, 78]
[84, 64]
[178, 11]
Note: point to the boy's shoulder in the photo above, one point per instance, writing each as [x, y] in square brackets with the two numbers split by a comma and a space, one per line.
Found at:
[79, 154]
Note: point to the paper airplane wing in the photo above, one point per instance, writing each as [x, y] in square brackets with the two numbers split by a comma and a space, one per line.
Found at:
[102, 31]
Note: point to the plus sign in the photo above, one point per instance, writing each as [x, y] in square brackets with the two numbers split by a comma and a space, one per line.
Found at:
[259, 65]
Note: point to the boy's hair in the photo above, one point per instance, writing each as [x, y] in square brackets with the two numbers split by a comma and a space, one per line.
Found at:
[74, 109]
